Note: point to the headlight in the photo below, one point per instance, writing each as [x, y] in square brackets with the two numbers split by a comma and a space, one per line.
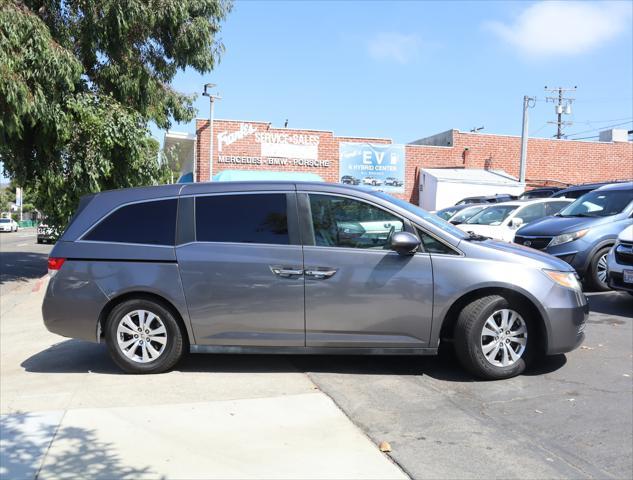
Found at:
[564, 279]
[567, 237]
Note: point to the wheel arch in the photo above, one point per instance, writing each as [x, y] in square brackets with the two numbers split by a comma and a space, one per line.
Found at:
[449, 320]
[144, 295]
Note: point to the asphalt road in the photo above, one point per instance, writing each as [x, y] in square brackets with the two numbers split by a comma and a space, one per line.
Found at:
[570, 417]
[21, 258]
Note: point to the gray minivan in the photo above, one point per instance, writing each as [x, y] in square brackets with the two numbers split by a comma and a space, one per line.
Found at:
[287, 267]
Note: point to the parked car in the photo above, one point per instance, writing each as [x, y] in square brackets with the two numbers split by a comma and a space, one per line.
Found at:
[577, 191]
[372, 181]
[502, 220]
[467, 213]
[620, 262]
[448, 212]
[44, 233]
[349, 180]
[500, 197]
[393, 181]
[291, 267]
[468, 210]
[8, 225]
[583, 232]
[542, 192]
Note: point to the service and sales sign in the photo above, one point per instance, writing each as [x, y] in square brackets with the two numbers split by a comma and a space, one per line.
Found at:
[379, 166]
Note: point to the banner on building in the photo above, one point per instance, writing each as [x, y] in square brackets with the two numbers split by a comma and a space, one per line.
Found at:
[379, 166]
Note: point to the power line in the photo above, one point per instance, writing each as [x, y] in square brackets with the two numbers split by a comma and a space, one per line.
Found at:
[562, 106]
[601, 128]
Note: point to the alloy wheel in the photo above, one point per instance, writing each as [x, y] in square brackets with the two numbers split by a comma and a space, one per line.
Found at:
[141, 336]
[504, 338]
[601, 269]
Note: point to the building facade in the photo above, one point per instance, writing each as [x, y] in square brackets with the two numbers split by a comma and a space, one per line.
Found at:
[256, 146]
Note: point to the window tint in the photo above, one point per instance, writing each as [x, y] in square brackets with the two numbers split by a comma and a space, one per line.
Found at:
[552, 208]
[152, 223]
[344, 222]
[493, 215]
[531, 212]
[599, 203]
[256, 218]
[432, 245]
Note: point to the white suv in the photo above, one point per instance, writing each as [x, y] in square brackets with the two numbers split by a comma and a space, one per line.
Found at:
[502, 220]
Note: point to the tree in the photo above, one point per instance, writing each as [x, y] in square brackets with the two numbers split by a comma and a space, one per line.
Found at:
[81, 79]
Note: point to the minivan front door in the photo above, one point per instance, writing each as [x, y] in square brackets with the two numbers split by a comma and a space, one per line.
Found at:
[359, 293]
[242, 276]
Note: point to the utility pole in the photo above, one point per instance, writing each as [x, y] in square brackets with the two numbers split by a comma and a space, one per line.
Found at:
[528, 102]
[212, 99]
[562, 106]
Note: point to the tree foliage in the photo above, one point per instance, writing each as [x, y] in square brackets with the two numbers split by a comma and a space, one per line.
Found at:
[81, 79]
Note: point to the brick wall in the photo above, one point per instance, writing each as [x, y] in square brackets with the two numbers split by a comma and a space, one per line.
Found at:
[549, 161]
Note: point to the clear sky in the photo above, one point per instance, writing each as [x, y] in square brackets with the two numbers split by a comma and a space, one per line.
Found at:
[406, 70]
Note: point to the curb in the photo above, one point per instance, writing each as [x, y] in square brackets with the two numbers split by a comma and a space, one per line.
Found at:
[38, 285]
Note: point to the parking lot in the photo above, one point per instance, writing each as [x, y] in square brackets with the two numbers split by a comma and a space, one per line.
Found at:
[68, 411]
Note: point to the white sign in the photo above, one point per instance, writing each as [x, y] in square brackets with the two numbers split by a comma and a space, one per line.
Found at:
[226, 138]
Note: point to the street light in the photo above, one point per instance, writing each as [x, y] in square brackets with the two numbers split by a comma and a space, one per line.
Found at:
[212, 98]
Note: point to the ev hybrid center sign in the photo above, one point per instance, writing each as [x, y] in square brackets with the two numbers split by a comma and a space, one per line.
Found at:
[380, 166]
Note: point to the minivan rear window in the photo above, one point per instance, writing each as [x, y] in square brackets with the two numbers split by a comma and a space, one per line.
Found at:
[248, 218]
[151, 223]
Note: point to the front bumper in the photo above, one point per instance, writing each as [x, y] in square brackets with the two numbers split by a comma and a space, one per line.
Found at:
[615, 270]
[567, 329]
[565, 315]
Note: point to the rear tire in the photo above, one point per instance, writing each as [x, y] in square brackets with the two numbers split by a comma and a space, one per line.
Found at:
[598, 270]
[509, 327]
[144, 337]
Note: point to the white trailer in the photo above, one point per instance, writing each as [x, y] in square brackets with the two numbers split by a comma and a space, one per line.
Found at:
[444, 187]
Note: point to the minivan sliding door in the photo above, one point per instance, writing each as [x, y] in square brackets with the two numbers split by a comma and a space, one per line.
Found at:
[243, 274]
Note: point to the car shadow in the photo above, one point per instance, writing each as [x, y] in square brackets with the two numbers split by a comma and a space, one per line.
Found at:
[611, 303]
[76, 356]
[22, 266]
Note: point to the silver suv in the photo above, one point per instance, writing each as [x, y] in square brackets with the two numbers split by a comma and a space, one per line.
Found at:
[300, 268]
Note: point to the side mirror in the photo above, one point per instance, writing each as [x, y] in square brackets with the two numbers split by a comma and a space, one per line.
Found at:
[516, 222]
[404, 243]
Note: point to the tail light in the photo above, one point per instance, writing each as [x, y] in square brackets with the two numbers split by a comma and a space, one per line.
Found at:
[54, 264]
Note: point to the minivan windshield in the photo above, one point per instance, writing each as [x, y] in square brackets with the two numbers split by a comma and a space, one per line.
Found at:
[492, 215]
[598, 203]
[4, 220]
[429, 217]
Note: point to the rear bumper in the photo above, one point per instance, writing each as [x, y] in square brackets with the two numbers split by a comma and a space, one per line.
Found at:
[567, 328]
[72, 306]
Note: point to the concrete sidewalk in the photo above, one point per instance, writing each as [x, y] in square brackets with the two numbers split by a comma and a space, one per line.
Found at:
[67, 412]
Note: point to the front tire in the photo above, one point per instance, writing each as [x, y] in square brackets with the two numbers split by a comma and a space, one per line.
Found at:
[598, 270]
[144, 337]
[493, 338]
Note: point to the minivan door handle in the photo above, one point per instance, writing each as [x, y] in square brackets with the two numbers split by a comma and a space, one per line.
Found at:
[320, 274]
[285, 271]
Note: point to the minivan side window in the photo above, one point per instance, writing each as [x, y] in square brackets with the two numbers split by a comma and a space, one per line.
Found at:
[152, 223]
[345, 222]
[248, 218]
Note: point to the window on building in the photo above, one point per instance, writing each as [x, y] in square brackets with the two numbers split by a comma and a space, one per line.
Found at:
[256, 218]
[151, 223]
[345, 222]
